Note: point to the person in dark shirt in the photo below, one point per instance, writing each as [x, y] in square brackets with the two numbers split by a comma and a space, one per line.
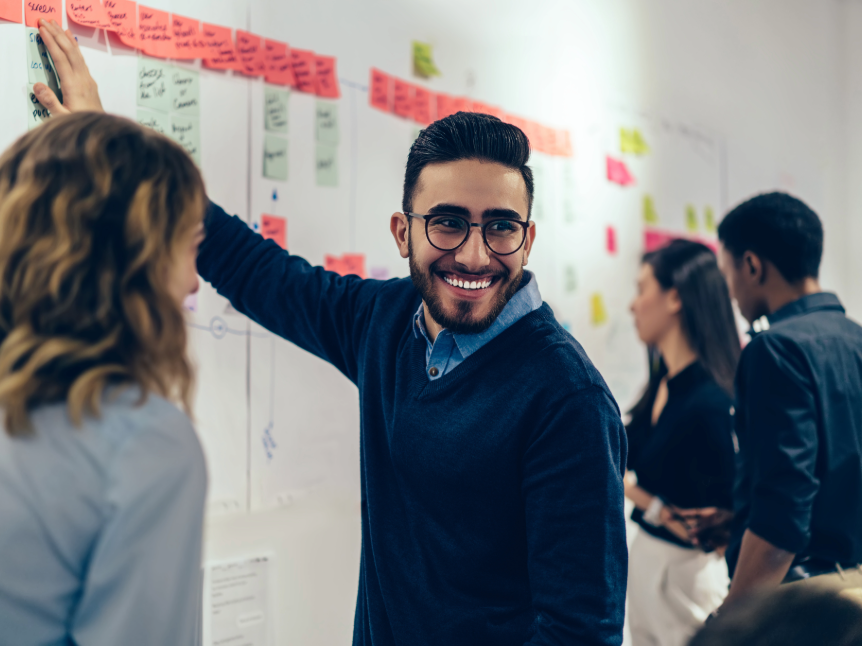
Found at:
[680, 439]
[798, 493]
[492, 451]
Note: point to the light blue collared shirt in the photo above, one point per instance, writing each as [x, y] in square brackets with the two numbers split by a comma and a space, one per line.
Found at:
[450, 349]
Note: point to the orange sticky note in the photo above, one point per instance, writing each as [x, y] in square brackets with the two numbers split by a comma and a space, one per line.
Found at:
[445, 106]
[11, 10]
[304, 64]
[347, 264]
[220, 41]
[326, 77]
[380, 89]
[461, 104]
[250, 50]
[273, 227]
[618, 172]
[279, 70]
[519, 122]
[484, 108]
[402, 98]
[36, 10]
[154, 32]
[123, 16]
[89, 13]
[189, 42]
[424, 105]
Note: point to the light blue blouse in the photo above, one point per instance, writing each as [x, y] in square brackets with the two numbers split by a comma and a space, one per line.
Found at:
[101, 527]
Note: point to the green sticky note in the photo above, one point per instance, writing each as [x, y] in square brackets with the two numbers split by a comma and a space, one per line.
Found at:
[326, 164]
[275, 109]
[36, 112]
[185, 92]
[709, 219]
[158, 121]
[186, 131]
[571, 281]
[275, 158]
[650, 214]
[154, 79]
[327, 122]
[423, 60]
[691, 222]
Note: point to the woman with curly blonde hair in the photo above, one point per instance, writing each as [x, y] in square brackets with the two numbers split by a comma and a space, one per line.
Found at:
[102, 477]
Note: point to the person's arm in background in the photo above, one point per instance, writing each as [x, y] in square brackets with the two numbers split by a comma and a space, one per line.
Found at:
[143, 582]
[782, 421]
[573, 497]
[643, 499]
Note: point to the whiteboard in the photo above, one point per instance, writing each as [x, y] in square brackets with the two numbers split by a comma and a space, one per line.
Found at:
[278, 424]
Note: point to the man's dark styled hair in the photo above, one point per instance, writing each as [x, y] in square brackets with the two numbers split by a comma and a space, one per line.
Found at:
[468, 135]
[778, 228]
[792, 615]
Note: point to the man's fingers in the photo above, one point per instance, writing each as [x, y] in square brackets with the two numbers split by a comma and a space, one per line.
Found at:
[48, 99]
[61, 61]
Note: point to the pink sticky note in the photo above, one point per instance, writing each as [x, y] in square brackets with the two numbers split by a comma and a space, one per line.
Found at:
[461, 104]
[279, 69]
[658, 238]
[123, 16]
[402, 98]
[36, 10]
[11, 10]
[304, 69]
[326, 77]
[219, 41]
[154, 32]
[189, 42]
[485, 108]
[519, 122]
[273, 227]
[424, 104]
[611, 240]
[89, 13]
[445, 106]
[618, 172]
[564, 143]
[251, 56]
[380, 90]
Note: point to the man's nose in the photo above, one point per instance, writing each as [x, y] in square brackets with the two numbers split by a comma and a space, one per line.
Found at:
[473, 254]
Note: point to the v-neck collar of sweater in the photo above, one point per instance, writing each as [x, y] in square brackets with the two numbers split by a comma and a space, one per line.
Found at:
[422, 387]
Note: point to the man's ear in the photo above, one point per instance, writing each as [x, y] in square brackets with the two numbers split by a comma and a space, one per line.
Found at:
[400, 228]
[528, 243]
[753, 268]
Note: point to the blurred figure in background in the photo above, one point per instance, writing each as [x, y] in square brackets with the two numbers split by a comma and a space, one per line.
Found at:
[102, 477]
[798, 496]
[792, 616]
[681, 449]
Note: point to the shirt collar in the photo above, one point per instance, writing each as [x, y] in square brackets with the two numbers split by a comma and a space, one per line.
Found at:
[690, 376]
[822, 301]
[525, 300]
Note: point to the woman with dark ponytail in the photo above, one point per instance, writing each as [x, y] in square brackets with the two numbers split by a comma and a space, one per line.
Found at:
[681, 447]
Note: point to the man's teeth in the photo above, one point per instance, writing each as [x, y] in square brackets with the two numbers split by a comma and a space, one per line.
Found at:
[466, 284]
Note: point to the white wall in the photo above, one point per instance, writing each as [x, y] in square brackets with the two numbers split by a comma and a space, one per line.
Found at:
[776, 78]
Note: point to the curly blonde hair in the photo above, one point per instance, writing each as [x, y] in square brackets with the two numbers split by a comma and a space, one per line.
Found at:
[94, 210]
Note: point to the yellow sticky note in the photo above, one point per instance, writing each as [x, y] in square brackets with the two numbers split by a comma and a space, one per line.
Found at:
[709, 219]
[423, 61]
[650, 214]
[632, 141]
[598, 313]
[691, 222]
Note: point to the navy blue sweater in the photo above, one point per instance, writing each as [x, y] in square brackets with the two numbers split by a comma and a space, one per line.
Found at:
[492, 498]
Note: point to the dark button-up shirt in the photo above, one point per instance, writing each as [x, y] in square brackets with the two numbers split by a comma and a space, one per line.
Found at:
[687, 458]
[799, 425]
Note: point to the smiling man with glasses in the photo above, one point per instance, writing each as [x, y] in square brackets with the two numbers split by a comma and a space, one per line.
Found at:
[492, 451]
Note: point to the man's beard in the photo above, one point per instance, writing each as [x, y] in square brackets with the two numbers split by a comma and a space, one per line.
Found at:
[462, 321]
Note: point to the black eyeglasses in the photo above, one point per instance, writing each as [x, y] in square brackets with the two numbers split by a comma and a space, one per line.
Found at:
[447, 232]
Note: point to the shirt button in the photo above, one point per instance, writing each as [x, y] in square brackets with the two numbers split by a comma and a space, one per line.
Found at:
[433, 372]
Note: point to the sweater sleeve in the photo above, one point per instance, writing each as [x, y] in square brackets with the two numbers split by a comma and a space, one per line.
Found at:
[573, 492]
[318, 310]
